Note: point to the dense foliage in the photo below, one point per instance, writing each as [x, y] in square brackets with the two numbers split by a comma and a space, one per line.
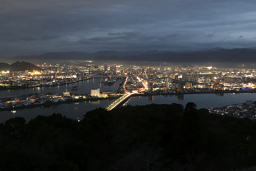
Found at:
[150, 138]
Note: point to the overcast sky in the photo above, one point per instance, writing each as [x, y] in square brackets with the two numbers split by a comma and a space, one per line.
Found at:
[38, 26]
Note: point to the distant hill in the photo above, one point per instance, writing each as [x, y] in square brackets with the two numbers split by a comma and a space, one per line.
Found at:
[56, 56]
[4, 66]
[216, 55]
[23, 66]
[19, 66]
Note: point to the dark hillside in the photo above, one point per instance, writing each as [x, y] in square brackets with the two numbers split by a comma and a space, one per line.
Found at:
[4, 66]
[150, 138]
[23, 66]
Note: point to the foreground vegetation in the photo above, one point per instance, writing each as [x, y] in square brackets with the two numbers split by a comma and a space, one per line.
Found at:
[151, 138]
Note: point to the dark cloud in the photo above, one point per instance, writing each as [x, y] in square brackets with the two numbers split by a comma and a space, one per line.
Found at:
[29, 26]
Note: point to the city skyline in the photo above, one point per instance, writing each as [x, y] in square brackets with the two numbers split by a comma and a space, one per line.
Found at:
[129, 85]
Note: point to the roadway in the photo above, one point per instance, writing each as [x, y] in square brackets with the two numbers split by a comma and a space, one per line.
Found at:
[127, 94]
[119, 101]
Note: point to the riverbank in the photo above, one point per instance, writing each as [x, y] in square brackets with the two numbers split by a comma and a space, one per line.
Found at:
[49, 101]
[76, 110]
[218, 92]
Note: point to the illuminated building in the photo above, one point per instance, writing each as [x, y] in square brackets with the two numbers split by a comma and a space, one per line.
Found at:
[95, 93]
[188, 85]
[66, 93]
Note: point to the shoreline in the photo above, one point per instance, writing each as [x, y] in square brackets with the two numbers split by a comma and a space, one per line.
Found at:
[51, 103]
[70, 101]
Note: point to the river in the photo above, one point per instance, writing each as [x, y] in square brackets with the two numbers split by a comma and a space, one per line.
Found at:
[78, 110]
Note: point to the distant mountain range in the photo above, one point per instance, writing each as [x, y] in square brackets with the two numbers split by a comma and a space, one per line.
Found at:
[19, 66]
[217, 55]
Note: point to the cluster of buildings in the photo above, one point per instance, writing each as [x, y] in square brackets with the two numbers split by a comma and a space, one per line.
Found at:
[243, 110]
[48, 75]
[96, 93]
[183, 79]
[35, 100]
[194, 79]
[160, 78]
[148, 79]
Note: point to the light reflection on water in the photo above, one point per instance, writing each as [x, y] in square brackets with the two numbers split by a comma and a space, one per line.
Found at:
[70, 110]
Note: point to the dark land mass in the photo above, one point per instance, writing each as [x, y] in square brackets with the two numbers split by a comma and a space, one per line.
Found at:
[4, 66]
[150, 138]
[19, 66]
[216, 56]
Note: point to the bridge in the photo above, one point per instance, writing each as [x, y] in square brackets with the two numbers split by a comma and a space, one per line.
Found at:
[119, 101]
[127, 94]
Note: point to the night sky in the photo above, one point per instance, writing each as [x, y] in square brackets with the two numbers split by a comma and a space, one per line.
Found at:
[39, 26]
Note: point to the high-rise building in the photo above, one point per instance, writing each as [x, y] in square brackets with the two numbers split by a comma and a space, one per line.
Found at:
[105, 67]
[113, 69]
[179, 88]
[150, 86]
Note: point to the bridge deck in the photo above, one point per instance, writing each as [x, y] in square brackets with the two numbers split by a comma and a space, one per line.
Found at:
[119, 101]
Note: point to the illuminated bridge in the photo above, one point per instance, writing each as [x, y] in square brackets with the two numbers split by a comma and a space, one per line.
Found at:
[119, 101]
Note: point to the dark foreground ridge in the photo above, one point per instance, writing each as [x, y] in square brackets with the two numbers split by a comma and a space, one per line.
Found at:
[150, 138]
